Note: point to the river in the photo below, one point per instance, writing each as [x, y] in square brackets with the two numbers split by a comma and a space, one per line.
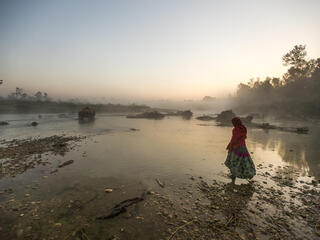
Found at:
[127, 155]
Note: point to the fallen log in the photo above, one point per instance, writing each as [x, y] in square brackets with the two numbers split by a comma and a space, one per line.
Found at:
[65, 163]
[122, 206]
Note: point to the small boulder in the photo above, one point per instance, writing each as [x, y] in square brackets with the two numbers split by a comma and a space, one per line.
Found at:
[34, 124]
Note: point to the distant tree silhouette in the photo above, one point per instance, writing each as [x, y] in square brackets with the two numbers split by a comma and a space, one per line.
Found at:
[46, 97]
[297, 92]
[20, 95]
[38, 96]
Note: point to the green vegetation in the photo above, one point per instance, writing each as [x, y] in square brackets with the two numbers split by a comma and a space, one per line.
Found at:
[296, 94]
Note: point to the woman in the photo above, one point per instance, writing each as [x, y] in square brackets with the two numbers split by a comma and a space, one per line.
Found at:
[238, 160]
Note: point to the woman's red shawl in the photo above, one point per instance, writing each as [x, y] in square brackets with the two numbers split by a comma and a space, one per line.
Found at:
[239, 134]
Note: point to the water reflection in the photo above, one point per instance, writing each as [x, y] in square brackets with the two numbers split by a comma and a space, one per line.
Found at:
[300, 151]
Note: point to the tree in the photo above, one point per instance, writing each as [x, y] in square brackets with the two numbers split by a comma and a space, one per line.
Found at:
[19, 93]
[300, 66]
[276, 82]
[243, 90]
[38, 96]
[296, 57]
[45, 97]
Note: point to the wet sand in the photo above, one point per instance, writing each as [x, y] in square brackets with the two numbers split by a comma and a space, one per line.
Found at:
[113, 163]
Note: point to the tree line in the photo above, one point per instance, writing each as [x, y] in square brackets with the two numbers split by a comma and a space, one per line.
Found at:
[296, 93]
[20, 95]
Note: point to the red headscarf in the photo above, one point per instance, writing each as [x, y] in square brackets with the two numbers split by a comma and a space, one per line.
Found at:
[236, 121]
[239, 134]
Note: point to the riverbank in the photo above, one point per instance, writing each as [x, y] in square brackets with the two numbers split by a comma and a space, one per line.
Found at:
[19, 155]
[8, 106]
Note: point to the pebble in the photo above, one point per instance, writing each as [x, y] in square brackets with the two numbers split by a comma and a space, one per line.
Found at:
[57, 225]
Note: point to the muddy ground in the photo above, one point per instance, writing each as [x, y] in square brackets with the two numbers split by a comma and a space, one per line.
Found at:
[277, 204]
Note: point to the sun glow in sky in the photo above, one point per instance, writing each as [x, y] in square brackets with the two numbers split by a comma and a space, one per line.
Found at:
[168, 49]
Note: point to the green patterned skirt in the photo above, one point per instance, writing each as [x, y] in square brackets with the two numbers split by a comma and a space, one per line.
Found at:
[240, 163]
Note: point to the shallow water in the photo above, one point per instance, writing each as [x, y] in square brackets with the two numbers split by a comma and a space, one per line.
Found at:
[166, 147]
[114, 156]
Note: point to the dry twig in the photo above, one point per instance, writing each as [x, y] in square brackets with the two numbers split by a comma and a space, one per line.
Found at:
[180, 228]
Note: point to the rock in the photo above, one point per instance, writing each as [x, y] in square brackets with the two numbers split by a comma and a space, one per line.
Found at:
[149, 115]
[57, 225]
[205, 118]
[225, 117]
[34, 124]
[86, 114]
[184, 114]
[108, 190]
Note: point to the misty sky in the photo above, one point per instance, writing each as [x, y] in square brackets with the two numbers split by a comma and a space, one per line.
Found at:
[165, 49]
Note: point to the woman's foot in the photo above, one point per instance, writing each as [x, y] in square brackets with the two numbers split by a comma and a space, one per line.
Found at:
[233, 178]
